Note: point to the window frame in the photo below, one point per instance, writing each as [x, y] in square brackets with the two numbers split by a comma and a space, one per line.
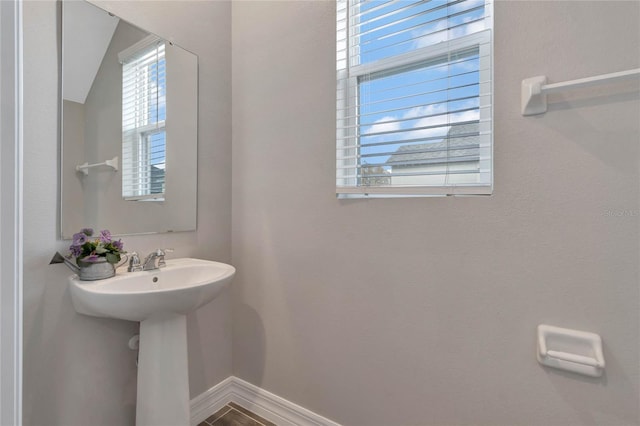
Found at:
[141, 159]
[348, 128]
[136, 138]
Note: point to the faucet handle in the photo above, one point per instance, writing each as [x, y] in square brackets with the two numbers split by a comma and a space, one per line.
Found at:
[161, 254]
[134, 262]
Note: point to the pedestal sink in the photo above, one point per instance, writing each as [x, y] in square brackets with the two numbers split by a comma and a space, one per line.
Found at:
[159, 300]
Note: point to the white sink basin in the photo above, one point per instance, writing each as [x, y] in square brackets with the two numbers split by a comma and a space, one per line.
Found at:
[179, 288]
[160, 300]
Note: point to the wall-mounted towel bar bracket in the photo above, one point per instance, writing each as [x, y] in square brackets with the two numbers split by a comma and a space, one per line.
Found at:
[572, 350]
[84, 168]
[534, 90]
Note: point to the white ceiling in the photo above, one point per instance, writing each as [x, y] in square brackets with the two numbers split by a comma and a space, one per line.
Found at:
[87, 32]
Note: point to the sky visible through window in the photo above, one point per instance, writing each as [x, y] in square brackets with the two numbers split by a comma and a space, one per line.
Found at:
[415, 103]
[158, 111]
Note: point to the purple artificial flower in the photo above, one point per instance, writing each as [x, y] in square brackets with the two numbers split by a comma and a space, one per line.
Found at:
[105, 236]
[87, 231]
[79, 239]
[91, 258]
[118, 244]
[76, 250]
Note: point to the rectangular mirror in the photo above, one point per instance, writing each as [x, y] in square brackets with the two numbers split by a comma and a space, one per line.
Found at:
[129, 127]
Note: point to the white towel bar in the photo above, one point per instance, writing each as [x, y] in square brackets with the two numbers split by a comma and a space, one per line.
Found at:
[534, 89]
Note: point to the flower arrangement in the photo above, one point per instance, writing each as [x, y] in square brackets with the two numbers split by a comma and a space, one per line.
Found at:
[91, 250]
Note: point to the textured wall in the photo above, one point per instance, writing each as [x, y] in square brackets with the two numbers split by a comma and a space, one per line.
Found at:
[423, 311]
[71, 208]
[78, 370]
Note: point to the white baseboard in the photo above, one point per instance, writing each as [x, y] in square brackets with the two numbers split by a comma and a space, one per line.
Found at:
[259, 401]
[210, 401]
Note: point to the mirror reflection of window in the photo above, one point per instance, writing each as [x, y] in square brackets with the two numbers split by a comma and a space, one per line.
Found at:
[144, 114]
[150, 195]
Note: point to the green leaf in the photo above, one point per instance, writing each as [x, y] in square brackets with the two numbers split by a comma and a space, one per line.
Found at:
[113, 258]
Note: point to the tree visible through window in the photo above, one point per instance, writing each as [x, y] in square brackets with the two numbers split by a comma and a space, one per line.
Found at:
[414, 97]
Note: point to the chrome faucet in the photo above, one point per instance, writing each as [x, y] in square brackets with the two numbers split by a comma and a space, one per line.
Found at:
[150, 263]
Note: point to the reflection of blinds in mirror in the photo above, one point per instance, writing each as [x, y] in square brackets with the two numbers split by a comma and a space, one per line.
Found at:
[143, 120]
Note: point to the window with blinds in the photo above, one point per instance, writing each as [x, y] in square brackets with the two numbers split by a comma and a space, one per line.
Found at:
[144, 111]
[414, 90]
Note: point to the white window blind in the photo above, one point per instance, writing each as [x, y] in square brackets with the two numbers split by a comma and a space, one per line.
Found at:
[143, 120]
[414, 97]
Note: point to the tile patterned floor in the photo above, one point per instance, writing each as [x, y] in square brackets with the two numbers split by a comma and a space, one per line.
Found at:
[234, 415]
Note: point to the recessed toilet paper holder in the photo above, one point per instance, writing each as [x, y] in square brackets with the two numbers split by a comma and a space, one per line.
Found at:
[572, 350]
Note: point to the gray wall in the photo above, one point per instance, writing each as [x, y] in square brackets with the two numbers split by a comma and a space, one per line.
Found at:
[78, 370]
[423, 311]
[73, 207]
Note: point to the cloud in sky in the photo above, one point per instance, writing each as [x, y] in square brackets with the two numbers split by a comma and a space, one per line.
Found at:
[430, 35]
[437, 121]
[460, 117]
[414, 118]
[469, 27]
[385, 124]
[439, 31]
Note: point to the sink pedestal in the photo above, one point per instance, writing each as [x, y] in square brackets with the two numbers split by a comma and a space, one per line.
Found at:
[163, 375]
[159, 299]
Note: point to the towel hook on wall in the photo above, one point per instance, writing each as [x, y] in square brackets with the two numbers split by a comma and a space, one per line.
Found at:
[84, 168]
